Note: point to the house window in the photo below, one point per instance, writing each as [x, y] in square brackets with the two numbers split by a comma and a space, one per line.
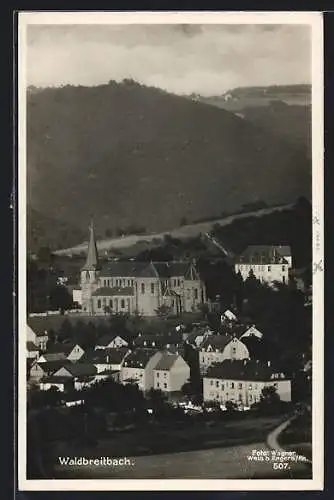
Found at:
[152, 287]
[211, 382]
[178, 282]
[283, 279]
[196, 293]
[122, 304]
[269, 268]
[234, 351]
[158, 385]
[250, 387]
[165, 385]
[232, 385]
[217, 383]
[143, 288]
[222, 387]
[99, 304]
[240, 385]
[158, 374]
[283, 268]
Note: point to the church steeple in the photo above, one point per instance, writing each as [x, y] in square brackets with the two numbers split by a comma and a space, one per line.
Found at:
[92, 262]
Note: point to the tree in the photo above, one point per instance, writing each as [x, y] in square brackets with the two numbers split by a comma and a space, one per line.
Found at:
[60, 298]
[269, 395]
[163, 311]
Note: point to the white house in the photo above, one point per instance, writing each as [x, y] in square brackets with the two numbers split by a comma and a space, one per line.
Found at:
[217, 348]
[242, 381]
[138, 368]
[111, 341]
[268, 263]
[171, 373]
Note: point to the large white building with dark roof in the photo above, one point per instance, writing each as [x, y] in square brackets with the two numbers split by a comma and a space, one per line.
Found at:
[242, 381]
[268, 263]
[138, 287]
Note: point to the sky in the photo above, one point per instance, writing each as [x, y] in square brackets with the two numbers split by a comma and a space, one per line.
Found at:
[182, 59]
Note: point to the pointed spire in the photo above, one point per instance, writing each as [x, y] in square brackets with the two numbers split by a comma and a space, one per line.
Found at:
[92, 261]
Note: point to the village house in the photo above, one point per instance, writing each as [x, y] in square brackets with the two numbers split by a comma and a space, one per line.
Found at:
[138, 368]
[268, 263]
[111, 341]
[171, 373]
[197, 335]
[138, 287]
[242, 381]
[69, 351]
[217, 348]
[106, 360]
[70, 376]
[38, 337]
[39, 370]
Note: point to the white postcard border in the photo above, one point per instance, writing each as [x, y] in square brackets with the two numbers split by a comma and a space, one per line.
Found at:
[314, 19]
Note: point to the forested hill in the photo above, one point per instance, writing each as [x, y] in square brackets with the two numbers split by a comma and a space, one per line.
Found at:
[133, 155]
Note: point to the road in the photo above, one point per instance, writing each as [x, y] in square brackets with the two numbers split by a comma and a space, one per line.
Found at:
[188, 231]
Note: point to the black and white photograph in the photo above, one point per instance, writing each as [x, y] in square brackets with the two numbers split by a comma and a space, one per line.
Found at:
[170, 279]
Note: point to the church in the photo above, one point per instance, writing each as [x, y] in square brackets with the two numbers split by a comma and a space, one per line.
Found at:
[144, 288]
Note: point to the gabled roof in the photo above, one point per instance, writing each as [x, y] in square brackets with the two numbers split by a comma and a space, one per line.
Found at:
[241, 370]
[216, 342]
[139, 358]
[265, 254]
[52, 366]
[114, 291]
[106, 339]
[79, 369]
[162, 270]
[166, 362]
[66, 348]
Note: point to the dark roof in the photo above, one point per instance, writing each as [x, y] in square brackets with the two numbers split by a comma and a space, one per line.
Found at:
[66, 348]
[55, 380]
[166, 362]
[160, 339]
[105, 356]
[80, 369]
[265, 254]
[149, 270]
[139, 358]
[216, 341]
[31, 346]
[241, 370]
[114, 291]
[236, 330]
[129, 269]
[52, 366]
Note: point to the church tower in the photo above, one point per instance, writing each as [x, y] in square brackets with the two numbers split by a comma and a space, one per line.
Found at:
[89, 274]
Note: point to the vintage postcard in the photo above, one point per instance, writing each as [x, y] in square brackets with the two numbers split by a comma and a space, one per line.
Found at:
[170, 280]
